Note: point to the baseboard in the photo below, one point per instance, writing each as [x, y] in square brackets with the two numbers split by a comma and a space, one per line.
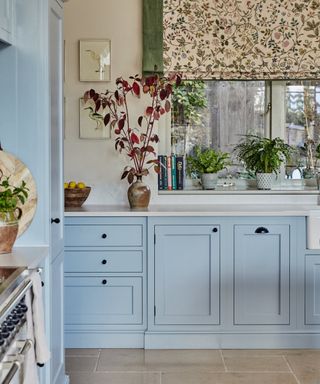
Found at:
[154, 340]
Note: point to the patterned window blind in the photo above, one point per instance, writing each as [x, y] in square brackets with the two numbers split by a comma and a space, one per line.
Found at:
[242, 39]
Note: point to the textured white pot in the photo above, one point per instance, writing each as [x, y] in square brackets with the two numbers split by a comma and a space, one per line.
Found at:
[264, 180]
[209, 180]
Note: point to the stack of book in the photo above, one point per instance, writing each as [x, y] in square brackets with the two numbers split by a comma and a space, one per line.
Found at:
[171, 175]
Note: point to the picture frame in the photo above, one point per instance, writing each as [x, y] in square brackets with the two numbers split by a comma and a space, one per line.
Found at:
[95, 60]
[91, 126]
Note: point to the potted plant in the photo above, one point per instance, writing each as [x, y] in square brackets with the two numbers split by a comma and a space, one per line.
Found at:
[207, 162]
[10, 212]
[263, 156]
[136, 140]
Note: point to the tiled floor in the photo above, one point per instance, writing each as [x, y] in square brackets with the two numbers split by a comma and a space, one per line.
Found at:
[137, 366]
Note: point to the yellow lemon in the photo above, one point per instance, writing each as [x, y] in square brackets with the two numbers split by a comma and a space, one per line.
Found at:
[81, 185]
[66, 185]
[72, 184]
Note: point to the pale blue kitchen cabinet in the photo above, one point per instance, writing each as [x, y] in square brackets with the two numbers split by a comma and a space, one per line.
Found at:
[105, 283]
[261, 274]
[312, 289]
[187, 274]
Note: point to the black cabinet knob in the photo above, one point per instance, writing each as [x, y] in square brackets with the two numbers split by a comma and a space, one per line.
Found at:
[104, 235]
[56, 220]
[104, 282]
[104, 261]
[215, 230]
[261, 230]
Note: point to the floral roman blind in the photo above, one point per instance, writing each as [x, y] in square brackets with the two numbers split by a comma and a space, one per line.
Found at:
[242, 39]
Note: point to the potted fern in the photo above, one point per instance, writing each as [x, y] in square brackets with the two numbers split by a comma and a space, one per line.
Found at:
[263, 156]
[206, 163]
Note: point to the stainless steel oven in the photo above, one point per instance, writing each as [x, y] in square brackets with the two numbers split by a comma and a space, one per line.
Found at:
[14, 343]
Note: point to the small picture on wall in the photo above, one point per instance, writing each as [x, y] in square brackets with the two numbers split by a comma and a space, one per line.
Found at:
[91, 123]
[95, 60]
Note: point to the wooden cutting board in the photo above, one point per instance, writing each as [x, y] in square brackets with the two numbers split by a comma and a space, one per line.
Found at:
[16, 169]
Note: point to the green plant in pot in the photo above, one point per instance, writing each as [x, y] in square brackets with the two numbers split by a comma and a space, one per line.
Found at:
[206, 163]
[263, 156]
[10, 212]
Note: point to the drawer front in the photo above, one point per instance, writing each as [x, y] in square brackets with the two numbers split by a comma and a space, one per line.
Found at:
[104, 235]
[103, 261]
[103, 300]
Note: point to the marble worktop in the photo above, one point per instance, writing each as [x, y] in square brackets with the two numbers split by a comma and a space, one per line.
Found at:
[30, 257]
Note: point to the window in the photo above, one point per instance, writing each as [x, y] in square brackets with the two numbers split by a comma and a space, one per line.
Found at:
[218, 113]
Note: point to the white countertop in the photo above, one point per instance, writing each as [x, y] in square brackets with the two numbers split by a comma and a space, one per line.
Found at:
[29, 257]
[196, 210]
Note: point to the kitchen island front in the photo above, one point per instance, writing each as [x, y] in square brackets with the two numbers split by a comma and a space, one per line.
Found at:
[197, 276]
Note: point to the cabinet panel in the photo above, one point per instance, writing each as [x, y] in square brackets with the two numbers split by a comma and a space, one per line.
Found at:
[312, 289]
[187, 274]
[103, 300]
[261, 274]
[6, 21]
[104, 261]
[103, 235]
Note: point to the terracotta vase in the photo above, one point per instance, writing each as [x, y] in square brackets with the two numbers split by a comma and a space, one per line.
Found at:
[9, 226]
[139, 194]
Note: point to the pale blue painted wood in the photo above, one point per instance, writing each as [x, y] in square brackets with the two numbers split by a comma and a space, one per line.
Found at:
[104, 261]
[312, 289]
[57, 321]
[6, 20]
[187, 274]
[104, 235]
[261, 275]
[103, 300]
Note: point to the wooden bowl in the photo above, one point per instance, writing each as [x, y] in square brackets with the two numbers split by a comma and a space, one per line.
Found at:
[75, 197]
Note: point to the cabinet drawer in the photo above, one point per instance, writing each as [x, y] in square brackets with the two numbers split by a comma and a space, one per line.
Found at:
[103, 261]
[103, 235]
[103, 300]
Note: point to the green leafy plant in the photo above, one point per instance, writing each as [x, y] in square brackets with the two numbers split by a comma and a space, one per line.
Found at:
[261, 154]
[10, 195]
[207, 160]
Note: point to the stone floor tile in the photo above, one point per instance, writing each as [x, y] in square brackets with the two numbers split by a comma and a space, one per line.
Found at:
[82, 351]
[226, 378]
[115, 378]
[81, 363]
[256, 364]
[305, 362]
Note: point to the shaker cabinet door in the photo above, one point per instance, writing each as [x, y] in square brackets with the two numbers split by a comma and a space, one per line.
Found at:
[261, 274]
[187, 275]
[312, 289]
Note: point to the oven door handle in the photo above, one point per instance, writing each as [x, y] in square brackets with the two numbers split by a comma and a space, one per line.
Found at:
[12, 372]
[25, 347]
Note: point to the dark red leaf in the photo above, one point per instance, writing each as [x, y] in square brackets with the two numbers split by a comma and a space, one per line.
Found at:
[134, 138]
[149, 148]
[178, 80]
[121, 124]
[116, 95]
[106, 119]
[121, 143]
[163, 94]
[98, 105]
[136, 88]
[92, 92]
[130, 178]
[156, 115]
[167, 106]
[153, 161]
[124, 175]
[149, 111]
[95, 97]
[117, 131]
[140, 120]
[156, 138]
[156, 168]
[162, 111]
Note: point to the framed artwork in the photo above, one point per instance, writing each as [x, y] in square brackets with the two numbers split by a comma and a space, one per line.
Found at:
[95, 60]
[91, 123]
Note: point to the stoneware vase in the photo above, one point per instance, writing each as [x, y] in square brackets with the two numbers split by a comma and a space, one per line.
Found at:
[9, 225]
[264, 180]
[139, 194]
[209, 180]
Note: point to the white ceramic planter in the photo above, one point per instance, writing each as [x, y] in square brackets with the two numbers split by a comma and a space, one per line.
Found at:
[209, 180]
[264, 180]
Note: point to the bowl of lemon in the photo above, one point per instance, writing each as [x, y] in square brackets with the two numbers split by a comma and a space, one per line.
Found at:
[75, 194]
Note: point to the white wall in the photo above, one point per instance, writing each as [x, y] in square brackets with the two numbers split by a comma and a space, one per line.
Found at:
[95, 161]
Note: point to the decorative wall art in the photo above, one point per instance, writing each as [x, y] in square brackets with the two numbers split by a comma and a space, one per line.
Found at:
[91, 123]
[95, 60]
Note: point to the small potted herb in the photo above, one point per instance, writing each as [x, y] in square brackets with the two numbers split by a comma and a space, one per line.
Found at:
[206, 163]
[263, 156]
[10, 212]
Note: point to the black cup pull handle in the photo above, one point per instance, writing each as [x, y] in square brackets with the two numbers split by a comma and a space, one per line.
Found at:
[56, 220]
[104, 282]
[215, 230]
[262, 230]
[104, 235]
[104, 261]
